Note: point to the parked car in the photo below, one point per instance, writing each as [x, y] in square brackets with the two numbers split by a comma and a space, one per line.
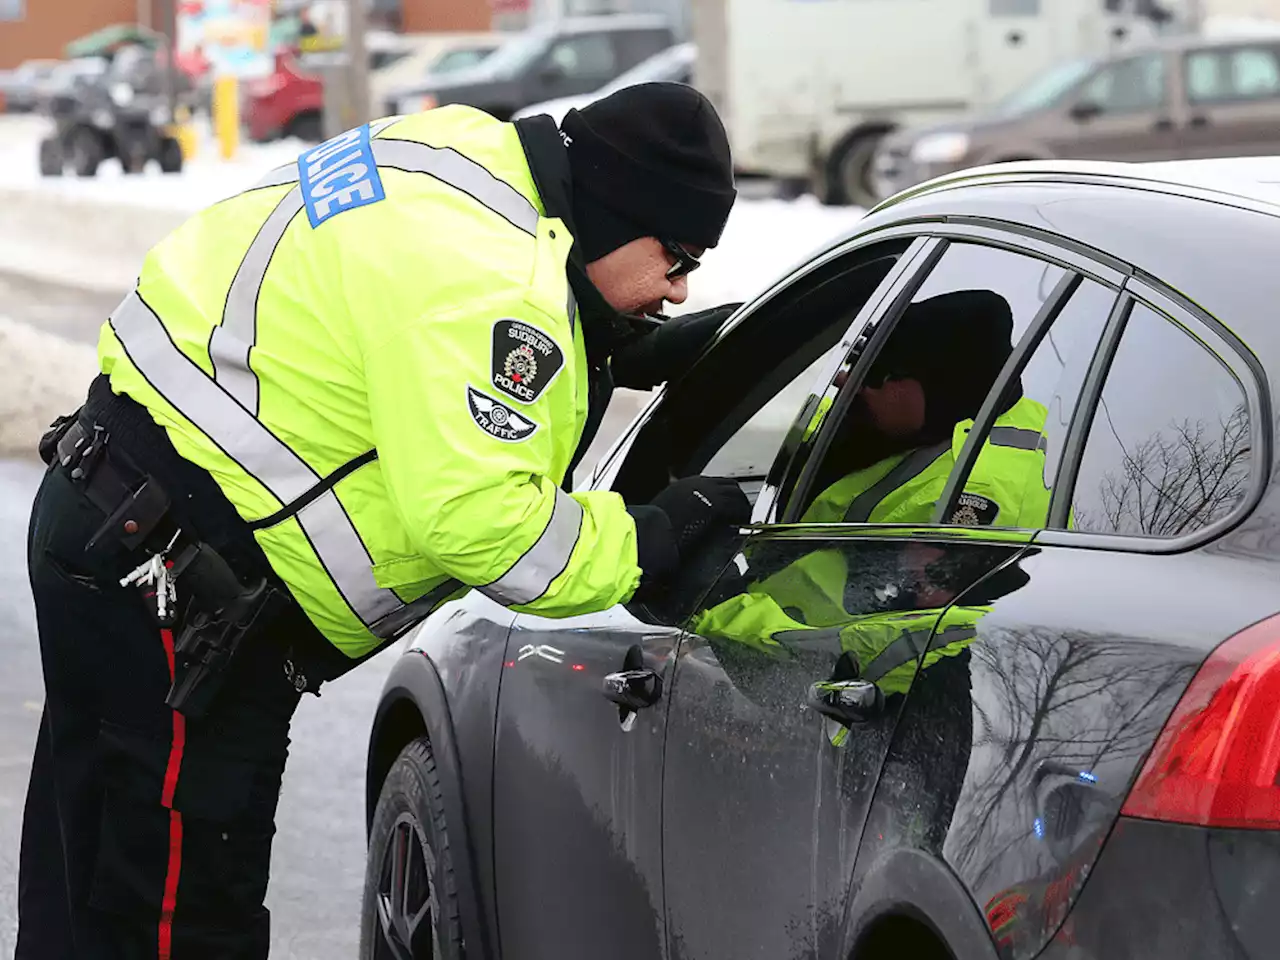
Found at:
[1182, 98]
[433, 54]
[290, 102]
[1091, 775]
[556, 59]
[673, 65]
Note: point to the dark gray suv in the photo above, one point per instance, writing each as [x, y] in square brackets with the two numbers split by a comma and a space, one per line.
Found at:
[571, 56]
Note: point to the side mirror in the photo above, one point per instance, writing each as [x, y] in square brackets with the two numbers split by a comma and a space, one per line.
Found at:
[1084, 110]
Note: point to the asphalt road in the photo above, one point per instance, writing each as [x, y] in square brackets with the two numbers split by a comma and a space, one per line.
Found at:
[318, 857]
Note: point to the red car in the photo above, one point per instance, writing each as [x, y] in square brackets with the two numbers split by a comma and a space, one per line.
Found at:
[288, 103]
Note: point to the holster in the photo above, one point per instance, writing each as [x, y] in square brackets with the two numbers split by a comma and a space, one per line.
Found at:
[221, 613]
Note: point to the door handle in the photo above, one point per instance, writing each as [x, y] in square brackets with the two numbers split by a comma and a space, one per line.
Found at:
[846, 701]
[1164, 123]
[634, 689]
[1199, 120]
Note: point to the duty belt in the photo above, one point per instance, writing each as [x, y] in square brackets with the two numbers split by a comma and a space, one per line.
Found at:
[221, 612]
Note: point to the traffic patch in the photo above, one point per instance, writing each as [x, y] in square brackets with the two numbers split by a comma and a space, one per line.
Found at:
[525, 360]
[497, 419]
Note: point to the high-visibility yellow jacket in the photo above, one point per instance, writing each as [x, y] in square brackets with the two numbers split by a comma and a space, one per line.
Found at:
[1006, 484]
[376, 354]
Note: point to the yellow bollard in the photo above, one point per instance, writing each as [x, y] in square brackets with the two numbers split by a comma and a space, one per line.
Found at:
[226, 115]
[184, 133]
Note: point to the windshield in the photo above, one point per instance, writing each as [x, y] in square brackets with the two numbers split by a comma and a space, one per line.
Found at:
[670, 64]
[516, 54]
[1045, 90]
[460, 58]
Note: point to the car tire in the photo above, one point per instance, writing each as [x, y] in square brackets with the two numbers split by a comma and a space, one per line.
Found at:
[308, 126]
[170, 156]
[848, 174]
[51, 158]
[86, 152]
[410, 911]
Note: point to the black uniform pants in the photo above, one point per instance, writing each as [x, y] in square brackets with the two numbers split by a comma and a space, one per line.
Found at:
[144, 835]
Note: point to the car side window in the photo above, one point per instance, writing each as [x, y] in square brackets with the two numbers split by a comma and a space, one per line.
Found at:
[888, 457]
[1230, 75]
[1132, 85]
[1168, 451]
[1011, 480]
[587, 56]
[729, 415]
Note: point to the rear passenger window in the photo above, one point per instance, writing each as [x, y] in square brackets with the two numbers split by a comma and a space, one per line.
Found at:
[1168, 452]
[1227, 75]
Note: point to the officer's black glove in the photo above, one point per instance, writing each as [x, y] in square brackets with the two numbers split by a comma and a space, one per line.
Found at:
[669, 350]
[680, 516]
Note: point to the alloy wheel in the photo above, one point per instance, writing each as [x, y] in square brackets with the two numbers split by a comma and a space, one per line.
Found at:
[408, 907]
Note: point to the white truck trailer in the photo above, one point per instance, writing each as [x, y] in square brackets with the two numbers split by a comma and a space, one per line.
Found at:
[808, 87]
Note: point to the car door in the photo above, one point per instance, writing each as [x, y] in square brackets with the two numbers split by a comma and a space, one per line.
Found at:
[582, 703]
[1232, 101]
[1125, 111]
[574, 63]
[1074, 672]
[795, 667]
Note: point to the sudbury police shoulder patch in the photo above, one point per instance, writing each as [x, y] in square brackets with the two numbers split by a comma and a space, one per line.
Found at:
[974, 510]
[525, 360]
[497, 419]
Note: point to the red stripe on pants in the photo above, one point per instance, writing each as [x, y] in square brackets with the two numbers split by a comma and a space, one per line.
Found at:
[174, 869]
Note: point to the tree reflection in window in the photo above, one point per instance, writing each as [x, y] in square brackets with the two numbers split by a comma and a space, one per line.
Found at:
[1169, 449]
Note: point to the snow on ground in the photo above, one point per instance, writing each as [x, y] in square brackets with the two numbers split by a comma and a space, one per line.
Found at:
[93, 233]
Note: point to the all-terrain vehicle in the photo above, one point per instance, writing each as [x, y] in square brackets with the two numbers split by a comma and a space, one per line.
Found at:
[122, 113]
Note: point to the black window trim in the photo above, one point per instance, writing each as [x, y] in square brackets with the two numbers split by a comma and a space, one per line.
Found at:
[1249, 375]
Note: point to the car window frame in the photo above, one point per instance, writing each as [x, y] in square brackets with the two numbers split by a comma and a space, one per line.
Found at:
[606, 471]
[1249, 375]
[1014, 238]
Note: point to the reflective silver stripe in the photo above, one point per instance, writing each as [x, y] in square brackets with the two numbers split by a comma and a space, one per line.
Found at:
[1018, 437]
[250, 444]
[288, 173]
[336, 541]
[449, 167]
[461, 173]
[911, 466]
[909, 647]
[232, 340]
[572, 308]
[531, 575]
[278, 177]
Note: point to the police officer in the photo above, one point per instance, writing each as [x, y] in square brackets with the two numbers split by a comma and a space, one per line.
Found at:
[332, 403]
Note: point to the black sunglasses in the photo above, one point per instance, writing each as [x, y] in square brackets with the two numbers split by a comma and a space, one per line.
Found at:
[685, 263]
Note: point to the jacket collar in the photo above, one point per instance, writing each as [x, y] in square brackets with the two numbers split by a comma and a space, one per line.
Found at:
[603, 328]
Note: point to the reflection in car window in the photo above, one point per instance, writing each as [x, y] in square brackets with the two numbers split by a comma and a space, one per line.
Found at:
[1247, 73]
[1129, 86]
[1016, 465]
[1168, 451]
[890, 456]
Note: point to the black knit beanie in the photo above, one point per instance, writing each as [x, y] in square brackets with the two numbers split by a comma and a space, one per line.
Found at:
[651, 160]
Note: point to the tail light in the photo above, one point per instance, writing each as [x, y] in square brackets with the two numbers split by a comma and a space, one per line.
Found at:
[1217, 761]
